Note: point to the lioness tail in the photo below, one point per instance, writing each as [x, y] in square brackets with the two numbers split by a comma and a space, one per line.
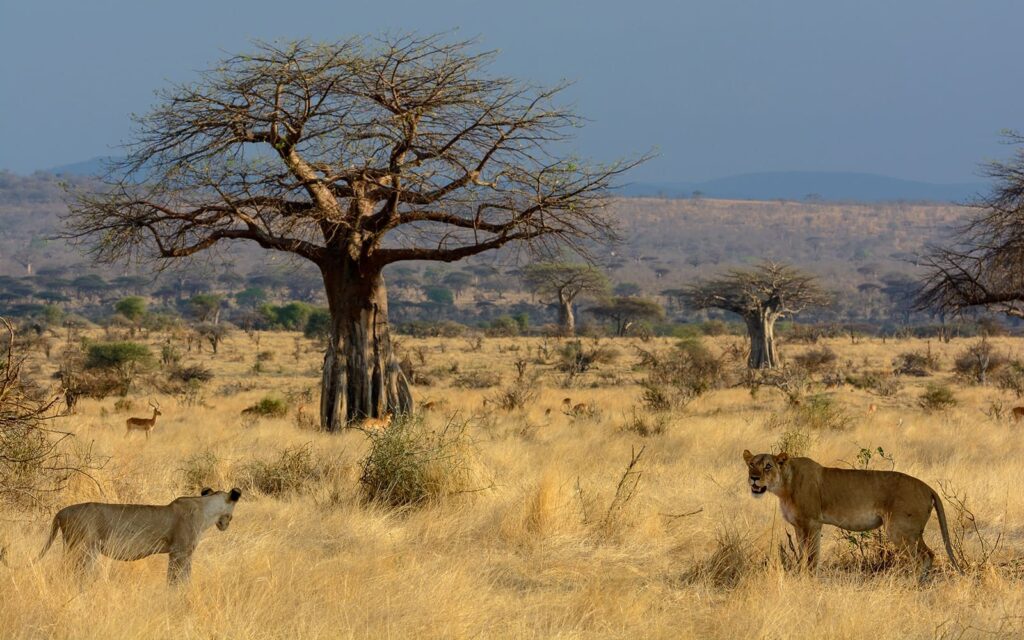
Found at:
[941, 512]
[53, 534]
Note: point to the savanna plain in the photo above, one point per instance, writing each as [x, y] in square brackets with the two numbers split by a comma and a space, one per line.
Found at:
[552, 520]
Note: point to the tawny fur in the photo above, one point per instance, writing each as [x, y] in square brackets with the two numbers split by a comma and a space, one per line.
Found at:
[811, 495]
[376, 424]
[135, 531]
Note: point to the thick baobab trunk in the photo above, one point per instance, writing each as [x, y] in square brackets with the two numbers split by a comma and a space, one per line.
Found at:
[361, 377]
[566, 319]
[761, 329]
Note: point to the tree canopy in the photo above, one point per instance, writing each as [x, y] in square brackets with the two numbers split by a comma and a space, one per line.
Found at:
[983, 265]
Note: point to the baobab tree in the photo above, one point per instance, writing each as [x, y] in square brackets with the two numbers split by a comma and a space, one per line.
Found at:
[566, 282]
[760, 296]
[983, 265]
[353, 155]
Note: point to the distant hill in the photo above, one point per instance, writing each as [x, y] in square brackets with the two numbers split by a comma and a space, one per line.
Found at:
[808, 186]
[811, 186]
[93, 167]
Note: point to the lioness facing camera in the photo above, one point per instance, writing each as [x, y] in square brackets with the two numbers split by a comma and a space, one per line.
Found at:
[811, 495]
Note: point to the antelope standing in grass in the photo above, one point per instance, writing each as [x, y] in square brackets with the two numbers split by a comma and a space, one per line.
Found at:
[143, 424]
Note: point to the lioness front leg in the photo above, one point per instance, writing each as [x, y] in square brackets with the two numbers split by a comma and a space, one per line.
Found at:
[808, 536]
[179, 567]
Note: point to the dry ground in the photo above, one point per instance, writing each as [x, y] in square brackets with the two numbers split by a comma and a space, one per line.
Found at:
[538, 551]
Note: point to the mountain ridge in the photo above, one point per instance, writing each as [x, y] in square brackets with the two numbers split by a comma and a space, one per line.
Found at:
[824, 186]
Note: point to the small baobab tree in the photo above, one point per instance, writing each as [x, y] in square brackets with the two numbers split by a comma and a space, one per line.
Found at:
[353, 155]
[760, 296]
[566, 282]
[982, 266]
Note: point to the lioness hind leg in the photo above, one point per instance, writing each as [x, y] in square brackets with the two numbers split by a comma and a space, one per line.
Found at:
[910, 546]
[927, 557]
[81, 560]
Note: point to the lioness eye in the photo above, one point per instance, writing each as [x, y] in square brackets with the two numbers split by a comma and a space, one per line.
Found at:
[767, 467]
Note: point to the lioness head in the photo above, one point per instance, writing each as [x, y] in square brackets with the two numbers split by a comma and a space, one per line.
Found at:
[223, 504]
[764, 471]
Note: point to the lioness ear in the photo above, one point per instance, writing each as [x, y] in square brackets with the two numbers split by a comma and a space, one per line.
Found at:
[206, 491]
[747, 456]
[782, 457]
[234, 495]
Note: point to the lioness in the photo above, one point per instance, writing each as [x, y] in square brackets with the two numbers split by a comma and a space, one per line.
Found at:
[135, 531]
[856, 500]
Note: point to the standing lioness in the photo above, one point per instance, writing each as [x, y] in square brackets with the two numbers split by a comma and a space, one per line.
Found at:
[135, 531]
[856, 500]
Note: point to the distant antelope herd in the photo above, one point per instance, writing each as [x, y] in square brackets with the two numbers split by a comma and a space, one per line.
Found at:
[569, 408]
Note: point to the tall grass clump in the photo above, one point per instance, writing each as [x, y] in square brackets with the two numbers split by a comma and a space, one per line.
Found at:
[292, 471]
[410, 463]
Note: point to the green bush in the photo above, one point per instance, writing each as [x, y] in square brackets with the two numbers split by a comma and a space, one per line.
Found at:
[318, 326]
[112, 355]
[132, 307]
[411, 464]
[937, 397]
[268, 407]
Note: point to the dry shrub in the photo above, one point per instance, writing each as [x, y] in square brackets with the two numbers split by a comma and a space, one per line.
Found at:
[481, 379]
[1011, 378]
[196, 372]
[877, 382]
[728, 563]
[521, 392]
[36, 462]
[574, 358]
[680, 376]
[795, 440]
[645, 424]
[293, 471]
[411, 464]
[977, 362]
[816, 413]
[937, 397]
[816, 360]
[972, 549]
[916, 364]
[792, 381]
[199, 470]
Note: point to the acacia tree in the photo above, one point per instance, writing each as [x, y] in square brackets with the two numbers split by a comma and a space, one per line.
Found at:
[353, 155]
[567, 282]
[760, 296]
[983, 266]
[625, 311]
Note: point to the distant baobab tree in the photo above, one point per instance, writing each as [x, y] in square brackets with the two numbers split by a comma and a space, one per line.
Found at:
[760, 296]
[983, 264]
[566, 282]
[353, 155]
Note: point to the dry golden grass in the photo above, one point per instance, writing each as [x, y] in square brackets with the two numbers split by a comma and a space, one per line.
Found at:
[544, 549]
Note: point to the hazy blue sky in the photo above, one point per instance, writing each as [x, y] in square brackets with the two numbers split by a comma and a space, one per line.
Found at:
[911, 88]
